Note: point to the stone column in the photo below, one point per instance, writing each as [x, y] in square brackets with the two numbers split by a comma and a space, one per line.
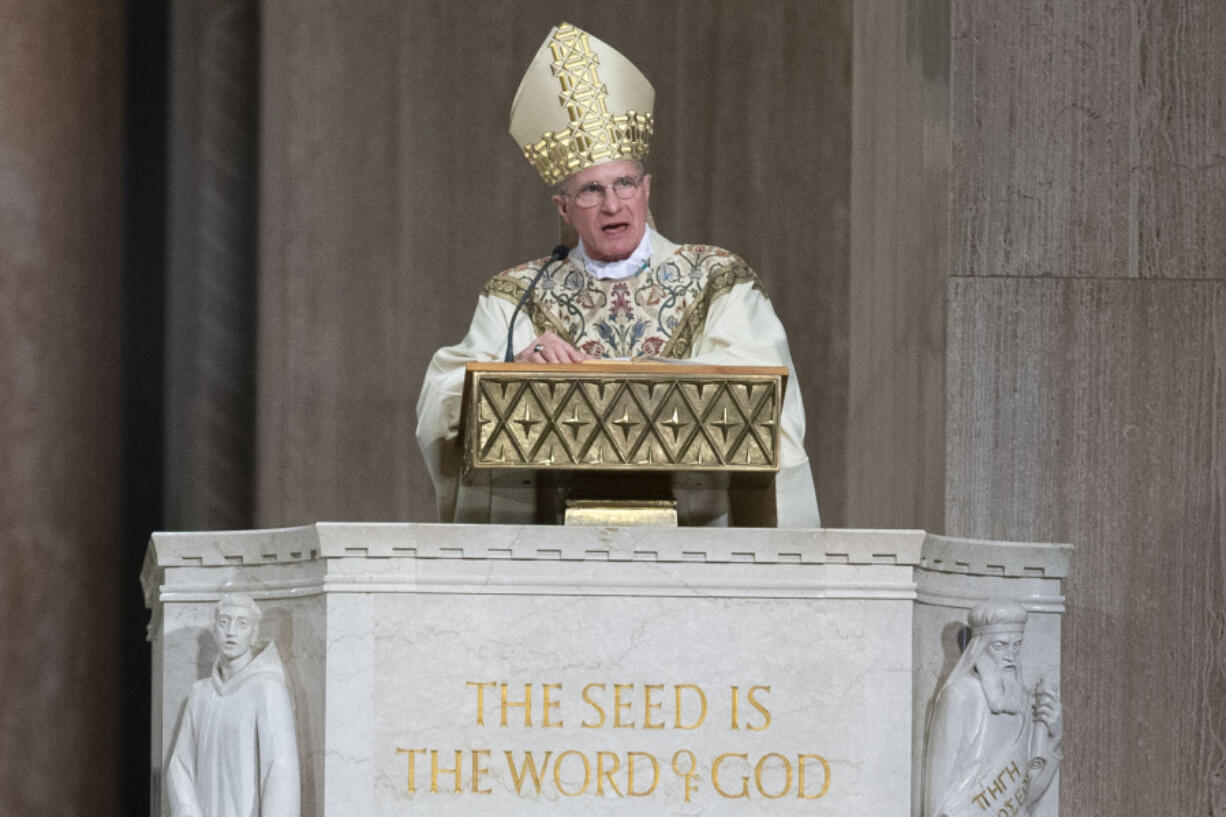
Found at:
[1087, 363]
[61, 285]
[899, 256]
[211, 270]
[1084, 300]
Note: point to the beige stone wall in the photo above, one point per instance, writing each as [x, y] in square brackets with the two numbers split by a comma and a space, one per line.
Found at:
[61, 105]
[1087, 348]
[1071, 261]
[895, 430]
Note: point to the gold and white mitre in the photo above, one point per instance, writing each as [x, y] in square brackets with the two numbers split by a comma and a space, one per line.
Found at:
[580, 103]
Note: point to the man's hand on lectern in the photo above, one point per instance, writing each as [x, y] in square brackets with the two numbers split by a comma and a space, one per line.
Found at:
[549, 348]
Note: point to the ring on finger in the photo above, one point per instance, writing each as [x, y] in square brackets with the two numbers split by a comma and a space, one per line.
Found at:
[538, 348]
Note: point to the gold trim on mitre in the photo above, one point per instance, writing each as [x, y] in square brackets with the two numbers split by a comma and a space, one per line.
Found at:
[580, 103]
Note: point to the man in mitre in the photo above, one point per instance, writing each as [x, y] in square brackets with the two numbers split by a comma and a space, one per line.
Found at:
[237, 754]
[992, 744]
[583, 118]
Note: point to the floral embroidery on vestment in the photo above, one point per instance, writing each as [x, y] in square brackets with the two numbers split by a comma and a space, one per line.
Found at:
[660, 312]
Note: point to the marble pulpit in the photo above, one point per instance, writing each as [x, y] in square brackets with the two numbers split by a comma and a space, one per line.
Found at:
[526, 670]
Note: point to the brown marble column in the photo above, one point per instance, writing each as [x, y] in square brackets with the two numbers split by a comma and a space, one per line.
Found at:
[211, 269]
[61, 205]
[895, 424]
[1082, 284]
[1087, 363]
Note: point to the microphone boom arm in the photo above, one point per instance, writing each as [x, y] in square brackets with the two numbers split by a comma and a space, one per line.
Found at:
[559, 253]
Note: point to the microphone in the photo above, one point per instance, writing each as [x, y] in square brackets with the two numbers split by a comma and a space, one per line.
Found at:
[559, 253]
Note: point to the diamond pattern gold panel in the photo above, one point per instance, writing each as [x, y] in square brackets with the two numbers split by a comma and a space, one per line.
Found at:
[623, 416]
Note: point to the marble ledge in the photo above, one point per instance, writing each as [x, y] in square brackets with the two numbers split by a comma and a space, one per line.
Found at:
[330, 540]
[755, 548]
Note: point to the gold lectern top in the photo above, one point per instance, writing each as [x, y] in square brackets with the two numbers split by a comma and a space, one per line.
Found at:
[612, 416]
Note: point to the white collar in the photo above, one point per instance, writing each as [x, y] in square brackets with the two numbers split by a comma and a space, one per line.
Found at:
[615, 270]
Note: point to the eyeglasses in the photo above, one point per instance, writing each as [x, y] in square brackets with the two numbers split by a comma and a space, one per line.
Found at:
[592, 194]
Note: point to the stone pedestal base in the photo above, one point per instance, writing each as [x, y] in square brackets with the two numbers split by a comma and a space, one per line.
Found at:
[455, 670]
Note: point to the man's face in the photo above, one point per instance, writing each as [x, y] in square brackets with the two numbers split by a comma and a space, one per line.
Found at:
[1004, 649]
[998, 673]
[235, 630]
[614, 227]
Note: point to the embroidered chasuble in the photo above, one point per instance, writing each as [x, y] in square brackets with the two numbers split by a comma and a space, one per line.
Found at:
[657, 313]
[692, 302]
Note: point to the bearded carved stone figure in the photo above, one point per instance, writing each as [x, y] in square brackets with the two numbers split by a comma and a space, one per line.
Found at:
[993, 746]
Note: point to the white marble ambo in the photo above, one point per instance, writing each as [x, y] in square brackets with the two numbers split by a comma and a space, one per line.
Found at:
[390, 632]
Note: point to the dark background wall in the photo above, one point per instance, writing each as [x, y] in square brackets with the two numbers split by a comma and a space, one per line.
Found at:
[61, 301]
[232, 234]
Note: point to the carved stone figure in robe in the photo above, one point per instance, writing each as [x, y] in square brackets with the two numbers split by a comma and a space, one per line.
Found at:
[993, 746]
[236, 754]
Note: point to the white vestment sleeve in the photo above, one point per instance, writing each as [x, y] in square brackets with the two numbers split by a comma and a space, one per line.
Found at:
[438, 407]
[743, 330]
